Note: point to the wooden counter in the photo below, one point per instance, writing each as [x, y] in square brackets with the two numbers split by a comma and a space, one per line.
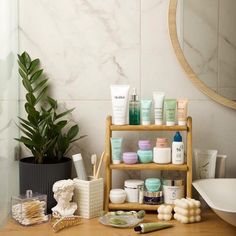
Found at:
[211, 224]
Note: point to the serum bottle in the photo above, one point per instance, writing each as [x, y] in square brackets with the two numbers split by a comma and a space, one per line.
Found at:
[178, 149]
[134, 109]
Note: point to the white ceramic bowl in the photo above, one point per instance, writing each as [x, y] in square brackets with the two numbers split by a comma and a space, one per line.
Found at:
[117, 196]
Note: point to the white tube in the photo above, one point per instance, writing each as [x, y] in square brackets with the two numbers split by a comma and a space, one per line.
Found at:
[79, 166]
[158, 98]
[119, 96]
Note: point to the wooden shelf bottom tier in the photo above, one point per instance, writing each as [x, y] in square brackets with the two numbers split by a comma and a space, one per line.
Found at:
[132, 206]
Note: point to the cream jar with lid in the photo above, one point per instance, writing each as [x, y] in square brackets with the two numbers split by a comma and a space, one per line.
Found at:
[117, 196]
[162, 153]
[131, 188]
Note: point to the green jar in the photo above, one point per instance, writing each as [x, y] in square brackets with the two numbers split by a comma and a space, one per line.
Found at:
[153, 184]
[145, 156]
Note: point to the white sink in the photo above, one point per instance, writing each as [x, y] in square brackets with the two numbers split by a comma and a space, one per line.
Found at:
[220, 195]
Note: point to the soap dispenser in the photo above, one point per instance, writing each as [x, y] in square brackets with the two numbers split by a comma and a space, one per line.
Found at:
[134, 109]
[178, 149]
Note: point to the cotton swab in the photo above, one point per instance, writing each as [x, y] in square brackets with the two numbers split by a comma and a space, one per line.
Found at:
[94, 163]
[99, 165]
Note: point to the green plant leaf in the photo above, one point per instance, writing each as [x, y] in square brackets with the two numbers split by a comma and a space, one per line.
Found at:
[27, 128]
[26, 132]
[30, 98]
[25, 140]
[41, 94]
[63, 113]
[36, 75]
[22, 74]
[73, 131]
[33, 65]
[60, 125]
[27, 122]
[39, 86]
[52, 102]
[22, 67]
[27, 59]
[21, 59]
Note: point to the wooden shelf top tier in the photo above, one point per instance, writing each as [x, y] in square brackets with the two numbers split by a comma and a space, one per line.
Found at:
[151, 127]
[149, 166]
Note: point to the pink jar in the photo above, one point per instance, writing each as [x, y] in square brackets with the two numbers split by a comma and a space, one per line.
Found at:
[130, 157]
[144, 145]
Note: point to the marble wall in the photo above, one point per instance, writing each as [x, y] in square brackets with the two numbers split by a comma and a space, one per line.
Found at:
[8, 104]
[87, 45]
[209, 42]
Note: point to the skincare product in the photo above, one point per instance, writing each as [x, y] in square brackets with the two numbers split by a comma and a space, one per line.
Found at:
[134, 109]
[150, 227]
[140, 194]
[130, 157]
[170, 107]
[145, 156]
[131, 189]
[153, 198]
[182, 105]
[172, 190]
[162, 153]
[119, 96]
[153, 184]
[205, 163]
[117, 196]
[146, 111]
[177, 150]
[79, 166]
[116, 144]
[144, 145]
[158, 98]
[220, 166]
[94, 164]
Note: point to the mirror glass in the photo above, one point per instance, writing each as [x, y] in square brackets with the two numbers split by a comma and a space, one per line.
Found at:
[207, 36]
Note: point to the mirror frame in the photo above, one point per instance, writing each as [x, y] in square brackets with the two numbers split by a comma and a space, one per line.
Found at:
[185, 65]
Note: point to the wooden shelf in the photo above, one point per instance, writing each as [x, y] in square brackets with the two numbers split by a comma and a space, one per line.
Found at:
[147, 128]
[149, 166]
[133, 206]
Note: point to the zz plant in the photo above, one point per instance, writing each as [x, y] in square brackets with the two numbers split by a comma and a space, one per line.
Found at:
[45, 131]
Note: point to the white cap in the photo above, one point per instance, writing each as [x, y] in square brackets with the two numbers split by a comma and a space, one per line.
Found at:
[181, 122]
[116, 161]
[146, 122]
[77, 157]
[158, 122]
[170, 123]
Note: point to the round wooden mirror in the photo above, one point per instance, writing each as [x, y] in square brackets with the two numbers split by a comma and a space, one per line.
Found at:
[186, 64]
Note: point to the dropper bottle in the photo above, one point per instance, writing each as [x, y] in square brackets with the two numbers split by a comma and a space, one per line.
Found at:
[134, 109]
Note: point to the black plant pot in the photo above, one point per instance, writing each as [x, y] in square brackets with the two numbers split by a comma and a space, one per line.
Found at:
[41, 177]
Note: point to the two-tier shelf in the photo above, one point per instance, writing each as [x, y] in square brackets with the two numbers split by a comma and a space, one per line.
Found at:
[187, 167]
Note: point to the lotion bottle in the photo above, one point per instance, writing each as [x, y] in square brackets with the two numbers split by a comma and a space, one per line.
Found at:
[177, 150]
[134, 109]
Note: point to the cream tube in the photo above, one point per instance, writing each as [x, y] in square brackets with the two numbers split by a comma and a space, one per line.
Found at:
[170, 107]
[158, 98]
[149, 227]
[182, 105]
[119, 96]
[146, 111]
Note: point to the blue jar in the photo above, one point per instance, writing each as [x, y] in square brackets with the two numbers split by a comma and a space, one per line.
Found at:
[153, 184]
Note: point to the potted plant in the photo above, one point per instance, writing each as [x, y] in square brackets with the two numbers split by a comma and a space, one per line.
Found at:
[45, 133]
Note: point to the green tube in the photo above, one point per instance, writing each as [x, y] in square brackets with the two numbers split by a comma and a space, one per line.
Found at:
[149, 227]
[146, 111]
[170, 107]
[116, 144]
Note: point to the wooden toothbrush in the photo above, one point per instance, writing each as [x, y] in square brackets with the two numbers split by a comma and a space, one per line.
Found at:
[99, 165]
[94, 163]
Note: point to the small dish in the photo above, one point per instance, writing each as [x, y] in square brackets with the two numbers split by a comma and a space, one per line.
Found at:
[129, 219]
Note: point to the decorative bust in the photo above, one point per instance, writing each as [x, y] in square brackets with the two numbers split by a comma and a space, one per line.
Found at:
[63, 192]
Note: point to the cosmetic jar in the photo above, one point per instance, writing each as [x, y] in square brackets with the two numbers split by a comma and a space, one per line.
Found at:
[153, 198]
[162, 153]
[153, 184]
[172, 190]
[145, 156]
[130, 157]
[144, 145]
[131, 188]
[117, 196]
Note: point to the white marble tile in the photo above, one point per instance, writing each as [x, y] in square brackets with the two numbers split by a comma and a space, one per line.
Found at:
[227, 49]
[160, 69]
[84, 45]
[200, 38]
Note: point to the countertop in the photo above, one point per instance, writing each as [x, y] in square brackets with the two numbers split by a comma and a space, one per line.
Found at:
[211, 224]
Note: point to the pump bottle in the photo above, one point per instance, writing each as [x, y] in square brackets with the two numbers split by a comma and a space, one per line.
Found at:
[134, 109]
[177, 150]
